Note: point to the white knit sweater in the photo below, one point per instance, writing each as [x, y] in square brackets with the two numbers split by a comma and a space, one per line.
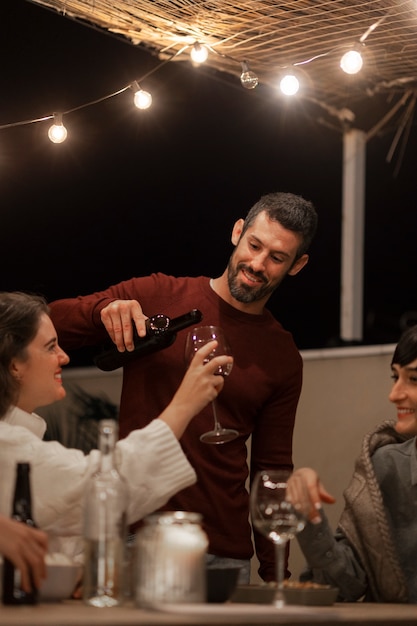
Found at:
[151, 461]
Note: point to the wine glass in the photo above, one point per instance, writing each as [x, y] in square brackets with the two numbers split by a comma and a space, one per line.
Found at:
[196, 338]
[275, 518]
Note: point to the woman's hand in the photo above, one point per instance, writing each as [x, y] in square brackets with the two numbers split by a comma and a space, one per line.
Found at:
[199, 386]
[307, 492]
[26, 548]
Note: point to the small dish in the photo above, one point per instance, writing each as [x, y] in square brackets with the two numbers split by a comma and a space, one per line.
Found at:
[264, 594]
[311, 597]
[253, 594]
[60, 582]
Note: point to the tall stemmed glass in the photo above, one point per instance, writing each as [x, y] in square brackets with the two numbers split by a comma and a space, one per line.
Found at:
[275, 517]
[196, 338]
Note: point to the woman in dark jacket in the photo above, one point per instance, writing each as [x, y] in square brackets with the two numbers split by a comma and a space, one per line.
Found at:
[373, 554]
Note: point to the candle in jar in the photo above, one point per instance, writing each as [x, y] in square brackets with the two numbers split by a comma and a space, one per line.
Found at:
[171, 559]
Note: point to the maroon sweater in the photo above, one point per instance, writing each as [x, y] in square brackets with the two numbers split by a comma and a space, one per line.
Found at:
[259, 398]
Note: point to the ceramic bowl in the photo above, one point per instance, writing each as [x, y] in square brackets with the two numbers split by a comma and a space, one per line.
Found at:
[60, 582]
[221, 583]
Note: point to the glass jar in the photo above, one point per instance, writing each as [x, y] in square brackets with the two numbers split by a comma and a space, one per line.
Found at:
[170, 559]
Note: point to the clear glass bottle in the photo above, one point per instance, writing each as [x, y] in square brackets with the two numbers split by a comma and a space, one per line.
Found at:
[21, 511]
[105, 529]
[170, 559]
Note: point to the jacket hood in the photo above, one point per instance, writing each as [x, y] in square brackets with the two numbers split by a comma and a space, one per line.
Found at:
[364, 510]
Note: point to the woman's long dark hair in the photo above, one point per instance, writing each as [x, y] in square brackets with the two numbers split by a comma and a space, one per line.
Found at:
[20, 315]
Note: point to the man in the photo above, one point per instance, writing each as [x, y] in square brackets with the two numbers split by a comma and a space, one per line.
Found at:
[259, 398]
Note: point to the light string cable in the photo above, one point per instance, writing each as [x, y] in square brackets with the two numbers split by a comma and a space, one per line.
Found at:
[248, 77]
[136, 82]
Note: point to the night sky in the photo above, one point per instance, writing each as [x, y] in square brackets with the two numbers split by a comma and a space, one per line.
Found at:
[131, 192]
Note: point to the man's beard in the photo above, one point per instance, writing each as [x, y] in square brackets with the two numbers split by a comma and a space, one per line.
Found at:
[243, 292]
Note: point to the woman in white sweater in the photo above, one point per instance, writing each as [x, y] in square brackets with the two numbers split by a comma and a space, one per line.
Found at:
[151, 459]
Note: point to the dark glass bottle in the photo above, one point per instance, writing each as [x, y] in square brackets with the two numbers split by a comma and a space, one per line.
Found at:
[161, 332]
[22, 511]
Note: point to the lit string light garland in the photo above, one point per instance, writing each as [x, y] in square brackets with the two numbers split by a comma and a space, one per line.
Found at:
[351, 62]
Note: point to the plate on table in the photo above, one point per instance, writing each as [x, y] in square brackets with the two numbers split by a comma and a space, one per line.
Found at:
[306, 594]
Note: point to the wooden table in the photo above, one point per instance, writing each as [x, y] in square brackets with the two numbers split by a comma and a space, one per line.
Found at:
[75, 613]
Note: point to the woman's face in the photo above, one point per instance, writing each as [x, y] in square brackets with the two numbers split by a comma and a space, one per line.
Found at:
[40, 374]
[404, 396]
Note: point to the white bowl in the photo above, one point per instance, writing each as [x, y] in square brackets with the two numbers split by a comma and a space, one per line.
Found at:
[60, 582]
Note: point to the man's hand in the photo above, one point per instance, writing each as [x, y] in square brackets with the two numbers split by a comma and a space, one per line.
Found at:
[118, 317]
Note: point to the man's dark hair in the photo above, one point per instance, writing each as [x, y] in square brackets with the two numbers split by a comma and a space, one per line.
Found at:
[293, 212]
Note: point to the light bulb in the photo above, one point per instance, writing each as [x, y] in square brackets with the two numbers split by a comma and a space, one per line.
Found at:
[248, 78]
[289, 85]
[351, 62]
[57, 133]
[198, 53]
[142, 99]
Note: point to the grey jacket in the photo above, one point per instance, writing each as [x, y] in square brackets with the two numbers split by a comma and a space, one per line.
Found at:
[361, 558]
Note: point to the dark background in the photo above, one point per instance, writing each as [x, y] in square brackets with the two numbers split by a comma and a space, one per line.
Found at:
[132, 192]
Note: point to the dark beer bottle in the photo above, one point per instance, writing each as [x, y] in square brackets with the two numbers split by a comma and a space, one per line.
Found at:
[22, 511]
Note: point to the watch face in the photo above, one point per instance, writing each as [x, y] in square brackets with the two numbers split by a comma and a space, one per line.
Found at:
[158, 323]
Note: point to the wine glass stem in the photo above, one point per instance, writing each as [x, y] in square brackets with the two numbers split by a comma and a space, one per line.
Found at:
[217, 426]
[279, 599]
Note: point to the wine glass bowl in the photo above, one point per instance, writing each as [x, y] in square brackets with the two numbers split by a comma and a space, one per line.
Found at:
[201, 335]
[196, 338]
[274, 516]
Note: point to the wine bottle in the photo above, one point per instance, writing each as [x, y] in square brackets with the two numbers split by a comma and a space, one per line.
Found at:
[105, 527]
[161, 332]
[22, 512]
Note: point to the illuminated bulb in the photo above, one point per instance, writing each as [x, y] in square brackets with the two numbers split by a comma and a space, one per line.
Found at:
[248, 79]
[351, 62]
[142, 99]
[198, 53]
[289, 85]
[57, 133]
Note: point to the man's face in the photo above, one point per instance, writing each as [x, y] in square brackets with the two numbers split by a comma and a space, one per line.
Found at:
[262, 258]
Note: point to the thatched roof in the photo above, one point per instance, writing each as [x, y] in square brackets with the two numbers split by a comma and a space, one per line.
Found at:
[309, 35]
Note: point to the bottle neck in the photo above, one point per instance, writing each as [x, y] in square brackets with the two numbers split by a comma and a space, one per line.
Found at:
[107, 442]
[157, 324]
[22, 501]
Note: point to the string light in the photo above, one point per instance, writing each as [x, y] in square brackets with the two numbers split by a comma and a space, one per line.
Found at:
[199, 53]
[248, 78]
[351, 62]
[57, 133]
[142, 99]
[289, 84]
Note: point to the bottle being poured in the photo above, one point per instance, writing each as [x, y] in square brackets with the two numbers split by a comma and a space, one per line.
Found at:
[161, 332]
